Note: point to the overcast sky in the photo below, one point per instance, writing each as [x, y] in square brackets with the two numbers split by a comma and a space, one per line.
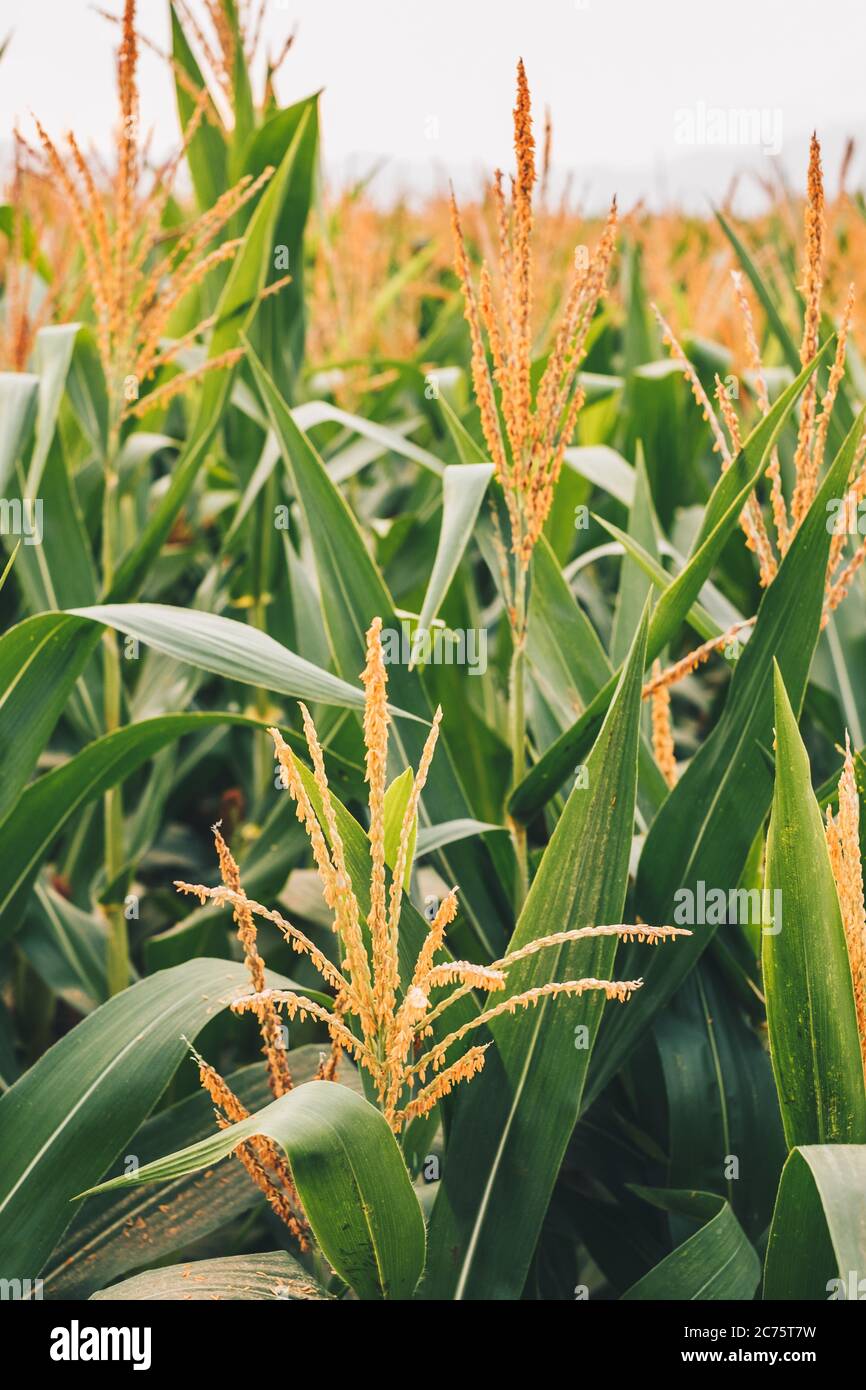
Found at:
[641, 91]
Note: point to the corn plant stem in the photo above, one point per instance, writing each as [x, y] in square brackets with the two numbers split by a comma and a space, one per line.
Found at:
[118, 940]
[262, 752]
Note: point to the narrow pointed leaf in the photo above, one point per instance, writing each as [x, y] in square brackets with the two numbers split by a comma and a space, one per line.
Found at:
[463, 489]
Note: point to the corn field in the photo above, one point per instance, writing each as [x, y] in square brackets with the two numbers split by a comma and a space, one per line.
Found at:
[432, 716]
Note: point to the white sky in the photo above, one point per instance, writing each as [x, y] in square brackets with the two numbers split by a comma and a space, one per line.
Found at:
[617, 75]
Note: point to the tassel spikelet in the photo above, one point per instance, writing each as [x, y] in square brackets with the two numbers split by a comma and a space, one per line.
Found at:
[260, 1156]
[805, 467]
[684, 667]
[29, 304]
[662, 732]
[843, 843]
[672, 342]
[537, 433]
[135, 284]
[774, 468]
[376, 744]
[620, 990]
[381, 1027]
[837, 372]
[222, 896]
[279, 1075]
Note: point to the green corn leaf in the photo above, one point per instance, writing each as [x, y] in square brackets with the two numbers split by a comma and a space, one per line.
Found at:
[706, 827]
[817, 1244]
[40, 661]
[396, 801]
[117, 1233]
[271, 1276]
[71, 1115]
[350, 1177]
[206, 153]
[716, 1263]
[18, 397]
[463, 489]
[517, 1116]
[228, 648]
[811, 1015]
[48, 804]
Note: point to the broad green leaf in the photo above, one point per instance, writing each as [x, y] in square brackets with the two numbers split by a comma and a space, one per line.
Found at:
[605, 468]
[67, 948]
[69, 1117]
[278, 333]
[40, 661]
[433, 837]
[18, 396]
[633, 587]
[697, 617]
[243, 109]
[228, 648]
[271, 1276]
[817, 1245]
[811, 1014]
[716, 1263]
[116, 1233]
[58, 572]
[87, 391]
[311, 413]
[723, 1131]
[570, 665]
[374, 440]
[463, 489]
[350, 1177]
[54, 347]
[515, 1119]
